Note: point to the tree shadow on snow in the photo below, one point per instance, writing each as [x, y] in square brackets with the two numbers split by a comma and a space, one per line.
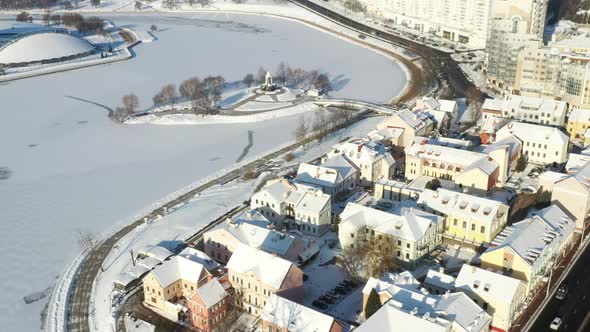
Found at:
[339, 82]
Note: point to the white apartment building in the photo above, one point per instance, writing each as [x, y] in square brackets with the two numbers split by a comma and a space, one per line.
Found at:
[372, 159]
[526, 109]
[304, 208]
[415, 233]
[334, 176]
[400, 128]
[540, 144]
[456, 20]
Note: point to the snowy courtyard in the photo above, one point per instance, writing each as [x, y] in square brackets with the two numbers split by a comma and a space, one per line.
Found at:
[71, 168]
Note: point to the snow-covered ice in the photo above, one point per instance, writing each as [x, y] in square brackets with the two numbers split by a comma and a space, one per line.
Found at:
[71, 168]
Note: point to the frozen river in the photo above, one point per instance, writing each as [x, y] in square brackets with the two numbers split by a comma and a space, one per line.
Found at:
[72, 169]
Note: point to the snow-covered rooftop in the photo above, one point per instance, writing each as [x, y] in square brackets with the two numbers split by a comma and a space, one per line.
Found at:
[488, 283]
[579, 115]
[533, 237]
[439, 279]
[318, 175]
[453, 157]
[308, 200]
[277, 190]
[258, 237]
[295, 317]
[211, 293]
[43, 46]
[200, 257]
[455, 203]
[178, 268]
[533, 133]
[269, 269]
[411, 225]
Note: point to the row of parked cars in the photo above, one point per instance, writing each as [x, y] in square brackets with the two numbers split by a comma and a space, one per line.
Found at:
[343, 289]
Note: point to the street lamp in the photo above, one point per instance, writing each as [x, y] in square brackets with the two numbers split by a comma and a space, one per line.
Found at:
[549, 281]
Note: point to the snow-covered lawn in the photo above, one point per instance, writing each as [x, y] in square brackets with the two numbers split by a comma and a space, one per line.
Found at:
[71, 168]
[261, 106]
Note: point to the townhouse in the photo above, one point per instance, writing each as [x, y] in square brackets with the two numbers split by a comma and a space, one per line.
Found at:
[256, 275]
[437, 282]
[526, 109]
[414, 233]
[470, 220]
[442, 111]
[502, 297]
[209, 306]
[401, 127]
[572, 193]
[282, 315]
[540, 144]
[527, 249]
[270, 201]
[506, 151]
[168, 286]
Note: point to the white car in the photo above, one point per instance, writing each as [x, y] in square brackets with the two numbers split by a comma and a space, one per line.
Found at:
[555, 324]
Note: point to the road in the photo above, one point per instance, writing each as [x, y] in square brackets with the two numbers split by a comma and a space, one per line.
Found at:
[574, 308]
[79, 304]
[440, 63]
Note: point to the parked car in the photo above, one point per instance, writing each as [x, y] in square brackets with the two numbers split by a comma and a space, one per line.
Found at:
[561, 292]
[329, 300]
[555, 324]
[319, 304]
[361, 36]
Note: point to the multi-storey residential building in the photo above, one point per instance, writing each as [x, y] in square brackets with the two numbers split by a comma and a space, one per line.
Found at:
[461, 21]
[470, 220]
[304, 207]
[283, 315]
[256, 275]
[414, 233]
[208, 306]
[578, 123]
[222, 241]
[168, 284]
[441, 111]
[437, 282]
[405, 308]
[540, 144]
[401, 127]
[506, 151]
[514, 24]
[468, 168]
[527, 249]
[270, 200]
[309, 211]
[500, 296]
[526, 109]
[334, 176]
[372, 159]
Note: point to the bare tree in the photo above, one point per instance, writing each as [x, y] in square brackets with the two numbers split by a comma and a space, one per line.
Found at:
[369, 256]
[166, 94]
[320, 124]
[170, 4]
[301, 131]
[24, 17]
[282, 73]
[322, 83]
[130, 103]
[95, 3]
[214, 87]
[138, 5]
[68, 5]
[56, 19]
[191, 88]
[46, 18]
[204, 3]
[87, 240]
[191, 2]
[153, 28]
[248, 79]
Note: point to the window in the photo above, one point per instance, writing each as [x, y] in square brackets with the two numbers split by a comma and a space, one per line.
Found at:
[482, 229]
[154, 300]
[464, 225]
[399, 243]
[399, 253]
[408, 245]
[472, 227]
[407, 256]
[485, 306]
[455, 222]
[352, 235]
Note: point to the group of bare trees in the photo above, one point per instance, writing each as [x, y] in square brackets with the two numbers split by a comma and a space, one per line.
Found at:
[26, 4]
[355, 6]
[82, 24]
[204, 94]
[321, 124]
[369, 256]
[292, 77]
[24, 17]
[129, 108]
